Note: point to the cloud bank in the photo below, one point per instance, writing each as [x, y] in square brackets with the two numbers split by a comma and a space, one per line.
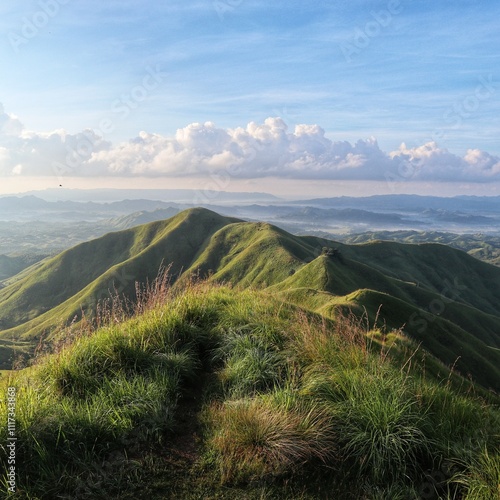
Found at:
[255, 151]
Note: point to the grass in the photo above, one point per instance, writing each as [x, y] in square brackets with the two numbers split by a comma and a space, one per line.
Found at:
[211, 391]
[251, 357]
[253, 438]
[444, 298]
[380, 420]
[482, 476]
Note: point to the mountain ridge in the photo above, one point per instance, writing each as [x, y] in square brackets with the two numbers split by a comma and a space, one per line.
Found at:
[440, 296]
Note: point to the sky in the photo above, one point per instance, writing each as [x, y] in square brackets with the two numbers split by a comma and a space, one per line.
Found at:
[292, 97]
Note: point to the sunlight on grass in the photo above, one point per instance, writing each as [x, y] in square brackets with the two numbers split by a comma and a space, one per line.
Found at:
[278, 394]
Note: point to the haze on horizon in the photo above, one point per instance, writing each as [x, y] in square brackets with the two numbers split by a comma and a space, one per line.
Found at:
[290, 98]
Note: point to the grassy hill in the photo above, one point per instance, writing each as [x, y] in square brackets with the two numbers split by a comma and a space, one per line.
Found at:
[115, 260]
[485, 247]
[439, 296]
[212, 391]
[10, 265]
[141, 217]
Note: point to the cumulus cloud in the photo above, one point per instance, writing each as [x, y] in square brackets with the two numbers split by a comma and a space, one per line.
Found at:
[25, 152]
[255, 151]
[430, 162]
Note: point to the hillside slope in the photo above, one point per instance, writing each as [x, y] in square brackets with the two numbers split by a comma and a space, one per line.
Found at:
[440, 296]
[213, 392]
[115, 260]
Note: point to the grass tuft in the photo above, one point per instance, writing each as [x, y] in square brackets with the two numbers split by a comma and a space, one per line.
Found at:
[254, 439]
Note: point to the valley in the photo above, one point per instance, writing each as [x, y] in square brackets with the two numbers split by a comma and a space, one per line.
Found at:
[39, 225]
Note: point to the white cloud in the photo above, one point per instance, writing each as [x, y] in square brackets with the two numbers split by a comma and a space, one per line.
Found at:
[429, 162]
[482, 163]
[255, 151]
[25, 152]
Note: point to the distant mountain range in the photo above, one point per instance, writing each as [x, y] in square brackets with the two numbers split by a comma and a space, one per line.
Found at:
[19, 205]
[408, 202]
[38, 227]
[380, 212]
[190, 196]
[441, 297]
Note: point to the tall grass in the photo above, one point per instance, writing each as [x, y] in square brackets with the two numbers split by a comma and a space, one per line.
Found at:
[292, 397]
[481, 476]
[254, 439]
[380, 423]
[252, 358]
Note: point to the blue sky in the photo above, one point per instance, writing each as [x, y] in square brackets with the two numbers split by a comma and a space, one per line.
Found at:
[394, 72]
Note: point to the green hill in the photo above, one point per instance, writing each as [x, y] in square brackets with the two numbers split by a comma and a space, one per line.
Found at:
[141, 217]
[10, 265]
[439, 296]
[213, 392]
[485, 247]
[92, 269]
